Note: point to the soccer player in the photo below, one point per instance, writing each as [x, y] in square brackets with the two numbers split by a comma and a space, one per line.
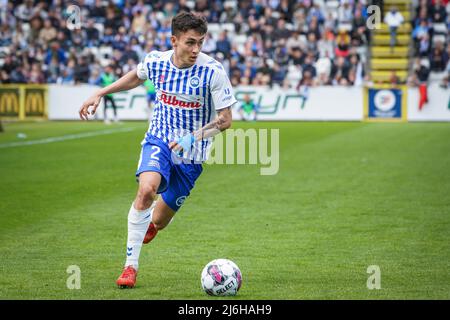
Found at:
[247, 109]
[193, 103]
[105, 80]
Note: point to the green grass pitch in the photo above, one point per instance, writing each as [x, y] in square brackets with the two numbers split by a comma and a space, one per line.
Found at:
[347, 196]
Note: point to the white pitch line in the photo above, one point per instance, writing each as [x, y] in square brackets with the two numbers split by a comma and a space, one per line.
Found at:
[64, 138]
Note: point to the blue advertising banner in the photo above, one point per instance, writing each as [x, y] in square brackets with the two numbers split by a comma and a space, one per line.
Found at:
[385, 104]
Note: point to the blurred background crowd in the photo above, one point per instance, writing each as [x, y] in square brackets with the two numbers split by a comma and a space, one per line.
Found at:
[259, 42]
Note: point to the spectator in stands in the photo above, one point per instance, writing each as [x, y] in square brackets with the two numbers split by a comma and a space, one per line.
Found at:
[19, 75]
[48, 32]
[419, 78]
[438, 12]
[359, 33]
[209, 44]
[254, 45]
[285, 9]
[356, 72]
[95, 77]
[98, 11]
[438, 57]
[424, 45]
[308, 66]
[81, 70]
[278, 74]
[92, 34]
[345, 13]
[67, 73]
[281, 56]
[295, 41]
[297, 56]
[9, 65]
[343, 44]
[394, 20]
[55, 53]
[315, 13]
[128, 54]
[223, 44]
[182, 6]
[394, 80]
[323, 68]
[422, 15]
[266, 71]
[339, 72]
[281, 34]
[420, 30]
[25, 12]
[312, 44]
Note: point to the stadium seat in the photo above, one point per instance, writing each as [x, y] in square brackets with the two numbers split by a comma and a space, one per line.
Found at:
[384, 76]
[384, 29]
[214, 28]
[390, 63]
[332, 4]
[402, 39]
[230, 3]
[385, 51]
[440, 28]
[439, 38]
[345, 27]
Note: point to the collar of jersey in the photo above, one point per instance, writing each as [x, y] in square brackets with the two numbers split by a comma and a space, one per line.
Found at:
[173, 65]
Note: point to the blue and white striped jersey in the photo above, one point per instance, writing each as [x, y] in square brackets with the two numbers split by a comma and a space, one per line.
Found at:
[186, 99]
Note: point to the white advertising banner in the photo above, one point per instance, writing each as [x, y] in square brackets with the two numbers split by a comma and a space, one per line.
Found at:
[312, 104]
[326, 103]
[66, 100]
[437, 108]
[319, 103]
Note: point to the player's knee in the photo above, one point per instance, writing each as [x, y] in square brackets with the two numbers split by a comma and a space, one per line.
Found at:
[146, 195]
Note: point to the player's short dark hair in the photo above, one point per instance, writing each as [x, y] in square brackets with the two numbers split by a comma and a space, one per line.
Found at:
[185, 21]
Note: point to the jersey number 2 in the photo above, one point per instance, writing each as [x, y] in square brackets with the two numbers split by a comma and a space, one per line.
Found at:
[155, 151]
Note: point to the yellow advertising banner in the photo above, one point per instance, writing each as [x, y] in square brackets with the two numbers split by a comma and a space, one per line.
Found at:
[22, 102]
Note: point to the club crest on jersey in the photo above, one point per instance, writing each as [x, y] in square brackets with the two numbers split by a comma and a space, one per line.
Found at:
[194, 82]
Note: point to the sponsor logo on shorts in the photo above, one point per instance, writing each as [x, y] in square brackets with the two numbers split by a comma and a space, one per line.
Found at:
[180, 200]
[154, 163]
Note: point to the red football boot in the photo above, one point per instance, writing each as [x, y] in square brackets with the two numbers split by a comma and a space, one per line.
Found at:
[128, 278]
[151, 233]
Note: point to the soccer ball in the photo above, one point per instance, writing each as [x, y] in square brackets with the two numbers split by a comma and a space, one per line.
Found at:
[221, 277]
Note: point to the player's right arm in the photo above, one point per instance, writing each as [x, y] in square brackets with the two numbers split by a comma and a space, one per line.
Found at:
[127, 82]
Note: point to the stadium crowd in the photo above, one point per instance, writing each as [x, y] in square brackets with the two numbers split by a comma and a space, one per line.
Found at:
[259, 42]
[430, 34]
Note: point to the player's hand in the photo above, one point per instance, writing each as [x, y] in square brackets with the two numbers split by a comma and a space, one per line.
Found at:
[92, 102]
[183, 143]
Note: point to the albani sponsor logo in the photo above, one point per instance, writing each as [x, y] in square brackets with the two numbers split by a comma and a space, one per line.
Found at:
[173, 101]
